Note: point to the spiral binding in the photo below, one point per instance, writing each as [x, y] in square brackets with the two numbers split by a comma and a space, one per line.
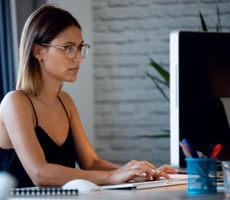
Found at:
[42, 191]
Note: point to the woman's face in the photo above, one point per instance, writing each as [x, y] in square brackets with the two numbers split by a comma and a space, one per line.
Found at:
[54, 61]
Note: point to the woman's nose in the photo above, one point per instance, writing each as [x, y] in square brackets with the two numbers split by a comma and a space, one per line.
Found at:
[78, 57]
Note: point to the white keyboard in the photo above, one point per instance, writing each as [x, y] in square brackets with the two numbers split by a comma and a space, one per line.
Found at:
[175, 180]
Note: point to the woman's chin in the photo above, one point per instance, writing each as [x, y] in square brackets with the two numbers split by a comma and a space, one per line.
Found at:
[72, 79]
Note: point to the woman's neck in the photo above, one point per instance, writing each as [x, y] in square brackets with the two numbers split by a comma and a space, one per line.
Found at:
[48, 94]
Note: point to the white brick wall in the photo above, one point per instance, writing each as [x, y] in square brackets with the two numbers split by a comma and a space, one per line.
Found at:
[127, 103]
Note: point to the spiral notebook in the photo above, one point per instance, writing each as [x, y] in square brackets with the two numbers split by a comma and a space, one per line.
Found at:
[34, 191]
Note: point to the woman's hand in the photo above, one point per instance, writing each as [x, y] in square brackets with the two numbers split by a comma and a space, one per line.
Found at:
[168, 169]
[137, 171]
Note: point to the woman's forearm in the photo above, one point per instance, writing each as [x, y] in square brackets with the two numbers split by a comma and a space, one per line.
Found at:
[101, 173]
[103, 165]
[52, 174]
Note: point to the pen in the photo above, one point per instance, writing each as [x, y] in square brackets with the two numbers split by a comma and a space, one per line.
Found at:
[210, 150]
[185, 151]
[189, 148]
[185, 147]
[216, 150]
[195, 153]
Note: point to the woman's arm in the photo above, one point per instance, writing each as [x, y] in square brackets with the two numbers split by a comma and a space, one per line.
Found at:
[87, 158]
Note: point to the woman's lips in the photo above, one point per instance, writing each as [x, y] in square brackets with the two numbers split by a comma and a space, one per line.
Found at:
[74, 70]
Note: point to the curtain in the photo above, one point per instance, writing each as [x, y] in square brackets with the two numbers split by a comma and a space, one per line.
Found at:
[6, 51]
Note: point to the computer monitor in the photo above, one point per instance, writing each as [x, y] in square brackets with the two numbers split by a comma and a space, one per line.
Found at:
[199, 92]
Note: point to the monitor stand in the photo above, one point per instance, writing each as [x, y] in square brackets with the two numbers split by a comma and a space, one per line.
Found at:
[226, 103]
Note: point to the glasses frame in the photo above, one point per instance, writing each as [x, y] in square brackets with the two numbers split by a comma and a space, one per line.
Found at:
[65, 48]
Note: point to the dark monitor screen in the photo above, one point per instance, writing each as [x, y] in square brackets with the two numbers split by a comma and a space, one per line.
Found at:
[204, 78]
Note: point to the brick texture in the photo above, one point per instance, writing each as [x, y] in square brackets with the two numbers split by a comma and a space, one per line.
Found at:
[127, 104]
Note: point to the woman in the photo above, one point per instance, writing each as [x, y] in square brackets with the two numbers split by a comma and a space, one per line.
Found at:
[40, 129]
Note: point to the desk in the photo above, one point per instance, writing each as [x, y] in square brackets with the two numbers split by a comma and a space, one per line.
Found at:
[178, 192]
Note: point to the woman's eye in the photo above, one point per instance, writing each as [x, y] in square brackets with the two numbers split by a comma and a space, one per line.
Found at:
[71, 49]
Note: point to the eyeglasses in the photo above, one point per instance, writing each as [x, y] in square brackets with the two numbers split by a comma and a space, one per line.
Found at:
[71, 51]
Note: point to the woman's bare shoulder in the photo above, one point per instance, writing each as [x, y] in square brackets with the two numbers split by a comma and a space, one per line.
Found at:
[14, 97]
[14, 101]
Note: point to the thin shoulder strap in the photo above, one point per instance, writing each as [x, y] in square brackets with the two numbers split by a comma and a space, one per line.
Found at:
[64, 108]
[32, 106]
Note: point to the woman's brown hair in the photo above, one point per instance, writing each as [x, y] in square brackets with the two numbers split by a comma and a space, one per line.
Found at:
[43, 25]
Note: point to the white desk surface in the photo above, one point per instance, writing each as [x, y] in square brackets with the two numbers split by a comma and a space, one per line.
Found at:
[178, 192]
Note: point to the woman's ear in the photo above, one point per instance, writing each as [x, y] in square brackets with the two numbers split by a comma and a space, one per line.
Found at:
[37, 51]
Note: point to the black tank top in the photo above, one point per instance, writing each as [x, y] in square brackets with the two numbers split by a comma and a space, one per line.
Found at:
[62, 155]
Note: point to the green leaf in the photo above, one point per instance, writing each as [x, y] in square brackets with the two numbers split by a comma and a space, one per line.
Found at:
[166, 131]
[159, 88]
[204, 27]
[154, 136]
[218, 16]
[160, 69]
[157, 79]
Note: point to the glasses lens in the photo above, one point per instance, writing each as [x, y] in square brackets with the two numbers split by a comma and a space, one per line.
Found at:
[84, 51]
[71, 52]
